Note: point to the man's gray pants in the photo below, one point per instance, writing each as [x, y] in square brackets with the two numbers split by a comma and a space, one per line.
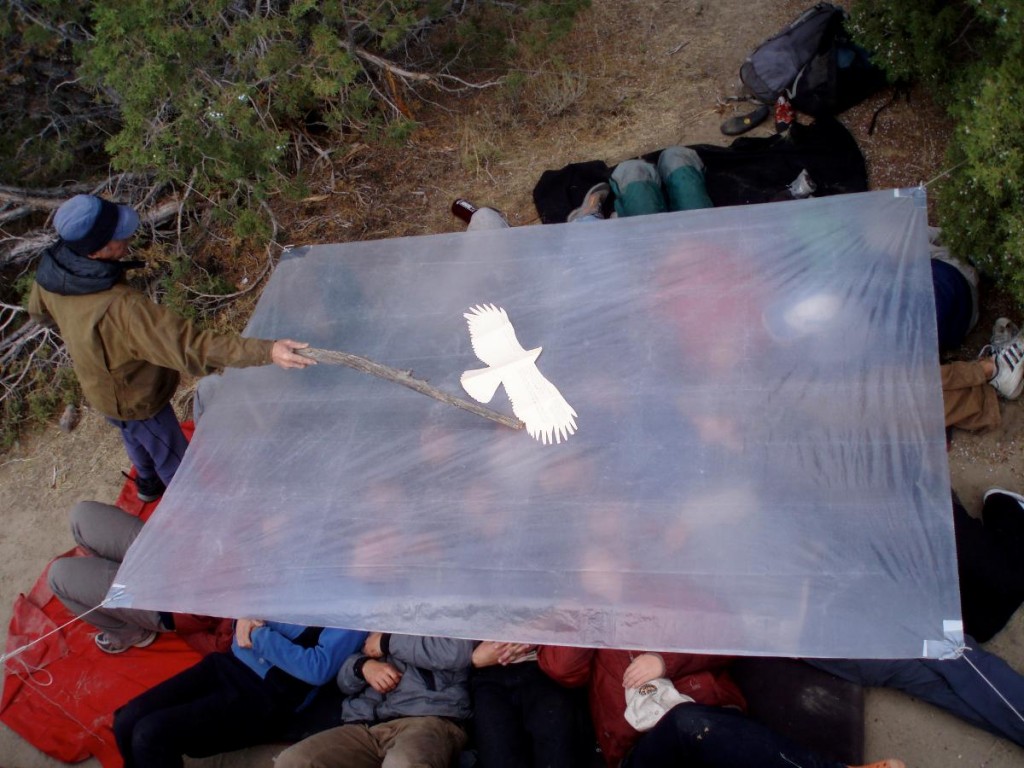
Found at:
[80, 583]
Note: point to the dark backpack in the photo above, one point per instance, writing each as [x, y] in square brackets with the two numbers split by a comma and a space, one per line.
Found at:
[814, 62]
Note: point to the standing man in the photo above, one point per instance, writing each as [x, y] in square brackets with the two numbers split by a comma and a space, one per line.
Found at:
[128, 351]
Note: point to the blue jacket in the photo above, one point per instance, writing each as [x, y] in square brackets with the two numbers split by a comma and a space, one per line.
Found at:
[273, 646]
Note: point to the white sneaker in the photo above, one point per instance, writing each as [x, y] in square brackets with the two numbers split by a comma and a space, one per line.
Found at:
[1009, 360]
[112, 643]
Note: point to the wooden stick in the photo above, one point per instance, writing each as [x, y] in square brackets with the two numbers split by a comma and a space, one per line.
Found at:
[406, 379]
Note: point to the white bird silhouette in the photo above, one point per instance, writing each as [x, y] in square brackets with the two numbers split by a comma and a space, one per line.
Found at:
[535, 400]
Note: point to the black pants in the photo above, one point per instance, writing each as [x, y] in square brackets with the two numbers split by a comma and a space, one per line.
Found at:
[715, 737]
[524, 719]
[991, 564]
[216, 706]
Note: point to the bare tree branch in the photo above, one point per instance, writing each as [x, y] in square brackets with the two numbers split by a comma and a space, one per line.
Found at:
[25, 248]
[406, 379]
[408, 75]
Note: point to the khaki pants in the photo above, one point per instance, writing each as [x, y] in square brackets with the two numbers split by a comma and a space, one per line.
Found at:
[970, 401]
[408, 742]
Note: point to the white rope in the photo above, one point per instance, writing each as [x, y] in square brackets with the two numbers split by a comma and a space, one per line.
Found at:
[1006, 701]
[22, 649]
[944, 173]
[27, 676]
[37, 688]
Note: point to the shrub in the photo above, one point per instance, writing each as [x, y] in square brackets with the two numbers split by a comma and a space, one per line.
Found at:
[970, 54]
[217, 94]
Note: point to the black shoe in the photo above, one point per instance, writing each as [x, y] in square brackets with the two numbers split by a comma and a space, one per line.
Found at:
[734, 126]
[148, 488]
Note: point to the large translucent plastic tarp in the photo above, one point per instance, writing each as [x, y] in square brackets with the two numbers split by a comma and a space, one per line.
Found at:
[759, 466]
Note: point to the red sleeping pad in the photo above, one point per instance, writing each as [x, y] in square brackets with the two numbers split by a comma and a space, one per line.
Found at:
[60, 694]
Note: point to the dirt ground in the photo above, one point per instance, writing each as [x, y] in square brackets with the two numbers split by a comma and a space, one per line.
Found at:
[636, 75]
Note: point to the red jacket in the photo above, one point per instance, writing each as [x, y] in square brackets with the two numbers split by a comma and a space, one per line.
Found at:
[703, 678]
[204, 634]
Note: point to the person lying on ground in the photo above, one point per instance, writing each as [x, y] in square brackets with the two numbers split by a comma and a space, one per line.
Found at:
[710, 730]
[639, 187]
[232, 700]
[127, 351]
[81, 583]
[955, 283]
[970, 388]
[407, 700]
[969, 400]
[521, 717]
[978, 686]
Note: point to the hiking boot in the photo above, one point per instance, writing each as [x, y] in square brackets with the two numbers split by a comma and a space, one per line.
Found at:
[1009, 360]
[148, 488]
[1004, 330]
[111, 643]
[592, 202]
[783, 114]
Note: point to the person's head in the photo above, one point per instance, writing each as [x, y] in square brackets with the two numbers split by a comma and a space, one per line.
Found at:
[96, 228]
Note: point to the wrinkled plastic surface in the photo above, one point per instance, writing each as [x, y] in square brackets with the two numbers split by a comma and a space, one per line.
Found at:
[760, 465]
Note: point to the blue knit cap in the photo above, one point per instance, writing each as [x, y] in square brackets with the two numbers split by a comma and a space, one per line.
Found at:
[86, 223]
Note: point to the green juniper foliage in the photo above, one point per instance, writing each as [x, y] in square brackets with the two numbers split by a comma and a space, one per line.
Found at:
[221, 94]
[970, 54]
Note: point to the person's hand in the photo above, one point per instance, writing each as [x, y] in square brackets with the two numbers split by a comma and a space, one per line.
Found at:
[243, 631]
[381, 676]
[283, 354]
[372, 645]
[643, 669]
[491, 652]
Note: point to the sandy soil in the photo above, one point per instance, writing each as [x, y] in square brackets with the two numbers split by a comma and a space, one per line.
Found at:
[638, 75]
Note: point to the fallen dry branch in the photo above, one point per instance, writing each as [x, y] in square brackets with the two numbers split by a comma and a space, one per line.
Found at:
[438, 79]
[406, 379]
[28, 348]
[45, 197]
[17, 251]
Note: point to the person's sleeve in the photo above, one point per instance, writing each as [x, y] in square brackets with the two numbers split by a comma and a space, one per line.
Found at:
[203, 633]
[679, 664]
[568, 666]
[350, 676]
[316, 665]
[159, 335]
[437, 653]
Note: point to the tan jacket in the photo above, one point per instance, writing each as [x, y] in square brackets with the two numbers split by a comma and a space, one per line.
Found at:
[127, 351]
